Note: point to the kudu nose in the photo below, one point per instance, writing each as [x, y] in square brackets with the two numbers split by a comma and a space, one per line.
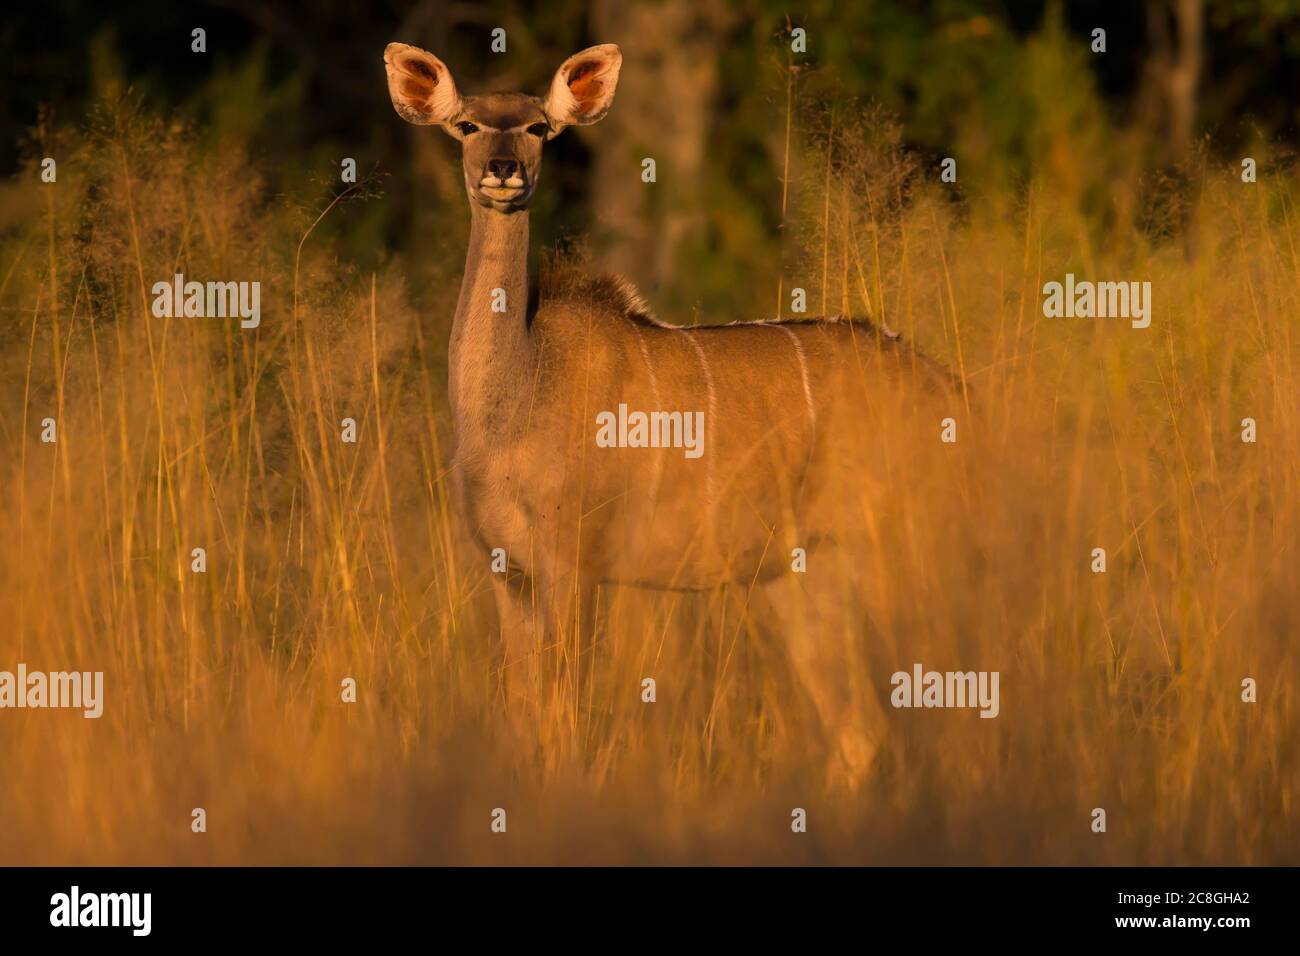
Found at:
[503, 169]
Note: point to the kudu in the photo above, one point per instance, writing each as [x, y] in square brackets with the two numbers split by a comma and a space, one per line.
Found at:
[794, 453]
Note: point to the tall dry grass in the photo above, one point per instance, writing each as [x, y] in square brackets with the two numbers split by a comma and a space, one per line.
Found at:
[328, 560]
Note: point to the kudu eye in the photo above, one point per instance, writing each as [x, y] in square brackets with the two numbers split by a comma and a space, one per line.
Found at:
[466, 128]
[539, 129]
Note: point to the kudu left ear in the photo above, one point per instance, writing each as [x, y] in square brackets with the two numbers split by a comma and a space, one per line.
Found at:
[583, 88]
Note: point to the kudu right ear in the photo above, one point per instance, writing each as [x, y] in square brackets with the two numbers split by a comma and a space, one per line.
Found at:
[583, 88]
[420, 85]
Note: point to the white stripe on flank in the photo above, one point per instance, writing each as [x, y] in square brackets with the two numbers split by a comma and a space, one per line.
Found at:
[640, 340]
[654, 387]
[710, 418]
[803, 372]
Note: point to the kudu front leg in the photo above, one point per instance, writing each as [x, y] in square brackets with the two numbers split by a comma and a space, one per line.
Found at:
[523, 632]
[546, 621]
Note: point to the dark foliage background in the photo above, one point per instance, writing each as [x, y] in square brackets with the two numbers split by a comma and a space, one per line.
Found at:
[703, 91]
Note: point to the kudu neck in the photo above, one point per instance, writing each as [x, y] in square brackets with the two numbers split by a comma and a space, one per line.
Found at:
[490, 347]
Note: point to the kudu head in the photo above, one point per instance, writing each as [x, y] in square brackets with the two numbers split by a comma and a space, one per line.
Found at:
[501, 134]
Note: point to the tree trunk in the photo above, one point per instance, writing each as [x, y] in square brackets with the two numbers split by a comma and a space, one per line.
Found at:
[663, 111]
[1173, 70]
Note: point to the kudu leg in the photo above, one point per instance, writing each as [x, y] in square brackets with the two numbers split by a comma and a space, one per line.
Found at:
[821, 629]
[522, 623]
[568, 598]
[546, 629]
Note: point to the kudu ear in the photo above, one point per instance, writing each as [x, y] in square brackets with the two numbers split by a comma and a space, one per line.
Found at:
[583, 88]
[420, 84]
